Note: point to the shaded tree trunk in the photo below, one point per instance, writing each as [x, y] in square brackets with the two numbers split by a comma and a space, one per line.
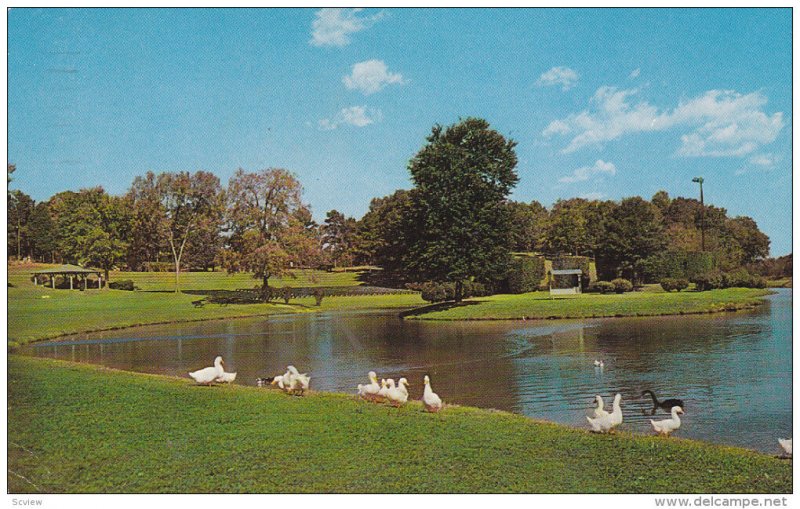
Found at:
[459, 296]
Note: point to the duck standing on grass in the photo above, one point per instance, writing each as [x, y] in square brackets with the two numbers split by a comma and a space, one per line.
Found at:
[431, 400]
[381, 396]
[397, 395]
[616, 412]
[207, 376]
[786, 445]
[667, 426]
[370, 391]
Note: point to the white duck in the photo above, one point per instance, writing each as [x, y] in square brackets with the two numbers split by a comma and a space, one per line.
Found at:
[398, 395]
[227, 377]
[431, 400]
[381, 396]
[207, 376]
[300, 384]
[293, 381]
[667, 426]
[600, 411]
[370, 391]
[602, 424]
[599, 364]
[786, 445]
[616, 411]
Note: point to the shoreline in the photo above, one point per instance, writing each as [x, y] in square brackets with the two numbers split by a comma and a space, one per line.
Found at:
[745, 307]
[417, 313]
[542, 456]
[354, 397]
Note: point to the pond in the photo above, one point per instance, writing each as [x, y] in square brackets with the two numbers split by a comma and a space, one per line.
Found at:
[733, 370]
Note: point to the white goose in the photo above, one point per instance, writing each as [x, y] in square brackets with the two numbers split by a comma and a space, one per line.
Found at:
[370, 390]
[600, 411]
[602, 424]
[398, 395]
[207, 376]
[667, 426]
[616, 411]
[786, 445]
[431, 400]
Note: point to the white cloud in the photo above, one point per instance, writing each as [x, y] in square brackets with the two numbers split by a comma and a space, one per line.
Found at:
[357, 116]
[724, 122]
[333, 27]
[371, 76]
[763, 160]
[563, 76]
[592, 196]
[635, 73]
[584, 173]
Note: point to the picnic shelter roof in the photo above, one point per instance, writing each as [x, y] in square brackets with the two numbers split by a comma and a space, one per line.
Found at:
[67, 269]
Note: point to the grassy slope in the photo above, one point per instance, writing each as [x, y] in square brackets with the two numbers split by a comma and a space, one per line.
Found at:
[79, 428]
[647, 303]
[31, 316]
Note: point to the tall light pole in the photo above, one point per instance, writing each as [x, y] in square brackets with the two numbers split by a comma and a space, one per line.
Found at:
[699, 180]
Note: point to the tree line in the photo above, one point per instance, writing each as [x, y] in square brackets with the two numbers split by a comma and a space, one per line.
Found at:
[456, 224]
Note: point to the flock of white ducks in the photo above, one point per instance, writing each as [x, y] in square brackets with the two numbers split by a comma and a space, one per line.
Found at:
[296, 383]
[397, 395]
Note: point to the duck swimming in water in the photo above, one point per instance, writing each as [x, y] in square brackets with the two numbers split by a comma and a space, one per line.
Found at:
[665, 405]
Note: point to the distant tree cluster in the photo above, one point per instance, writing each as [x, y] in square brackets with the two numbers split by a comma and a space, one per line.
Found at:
[456, 226]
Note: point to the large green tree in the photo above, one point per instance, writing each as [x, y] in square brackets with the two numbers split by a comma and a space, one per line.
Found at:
[188, 202]
[339, 238]
[20, 210]
[528, 224]
[91, 227]
[633, 231]
[270, 227]
[148, 239]
[462, 178]
[386, 232]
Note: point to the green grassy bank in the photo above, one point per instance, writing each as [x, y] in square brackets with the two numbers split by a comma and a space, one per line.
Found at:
[539, 305]
[80, 428]
[36, 312]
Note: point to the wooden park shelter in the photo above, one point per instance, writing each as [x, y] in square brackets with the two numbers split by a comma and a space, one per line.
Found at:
[572, 285]
[73, 272]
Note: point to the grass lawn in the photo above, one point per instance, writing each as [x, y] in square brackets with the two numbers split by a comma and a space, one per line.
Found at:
[539, 305]
[81, 428]
[35, 312]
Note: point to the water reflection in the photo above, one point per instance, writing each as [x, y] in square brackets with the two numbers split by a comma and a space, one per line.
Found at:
[733, 370]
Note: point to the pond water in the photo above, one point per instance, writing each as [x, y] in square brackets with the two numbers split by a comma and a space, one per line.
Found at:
[733, 370]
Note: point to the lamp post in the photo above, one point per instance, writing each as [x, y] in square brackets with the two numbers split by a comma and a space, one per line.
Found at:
[699, 180]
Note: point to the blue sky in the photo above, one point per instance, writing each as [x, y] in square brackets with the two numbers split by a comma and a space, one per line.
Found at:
[604, 103]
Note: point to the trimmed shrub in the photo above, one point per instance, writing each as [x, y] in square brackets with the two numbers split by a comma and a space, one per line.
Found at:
[125, 284]
[601, 287]
[708, 281]
[525, 274]
[622, 285]
[734, 279]
[437, 292]
[475, 289]
[669, 284]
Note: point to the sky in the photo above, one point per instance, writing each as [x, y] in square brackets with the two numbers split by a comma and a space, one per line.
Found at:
[603, 103]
